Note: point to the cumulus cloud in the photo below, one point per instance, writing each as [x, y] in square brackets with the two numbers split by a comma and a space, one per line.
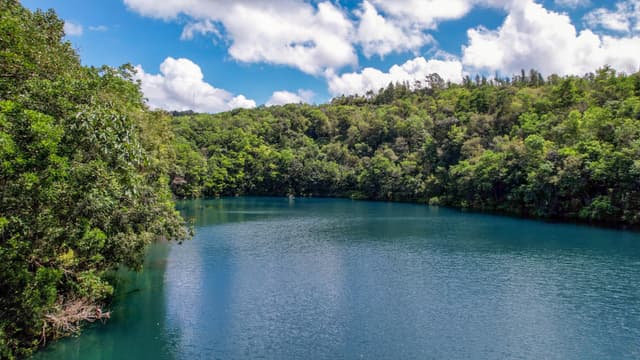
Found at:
[315, 37]
[72, 29]
[285, 97]
[426, 13]
[296, 33]
[322, 38]
[180, 85]
[534, 37]
[374, 79]
[624, 18]
[381, 36]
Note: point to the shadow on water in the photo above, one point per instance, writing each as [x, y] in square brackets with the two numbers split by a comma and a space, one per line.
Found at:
[207, 212]
[136, 328]
[334, 278]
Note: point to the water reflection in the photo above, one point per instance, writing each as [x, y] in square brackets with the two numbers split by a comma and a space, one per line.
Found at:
[137, 327]
[277, 278]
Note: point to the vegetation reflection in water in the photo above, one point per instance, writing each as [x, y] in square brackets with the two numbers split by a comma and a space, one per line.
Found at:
[325, 278]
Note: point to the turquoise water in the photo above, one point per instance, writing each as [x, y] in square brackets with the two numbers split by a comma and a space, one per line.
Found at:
[272, 278]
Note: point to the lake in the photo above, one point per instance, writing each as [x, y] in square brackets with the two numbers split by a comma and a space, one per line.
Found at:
[274, 278]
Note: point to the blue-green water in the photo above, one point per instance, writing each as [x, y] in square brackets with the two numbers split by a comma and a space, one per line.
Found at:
[271, 278]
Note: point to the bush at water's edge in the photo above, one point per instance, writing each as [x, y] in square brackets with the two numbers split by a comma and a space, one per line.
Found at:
[83, 179]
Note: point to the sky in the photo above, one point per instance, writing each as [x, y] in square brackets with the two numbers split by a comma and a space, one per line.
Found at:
[217, 55]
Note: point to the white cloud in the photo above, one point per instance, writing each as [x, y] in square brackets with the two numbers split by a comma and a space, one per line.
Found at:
[181, 86]
[315, 37]
[241, 101]
[534, 37]
[572, 3]
[296, 33]
[199, 27]
[100, 28]
[625, 17]
[374, 79]
[426, 13]
[72, 29]
[380, 36]
[320, 37]
[286, 97]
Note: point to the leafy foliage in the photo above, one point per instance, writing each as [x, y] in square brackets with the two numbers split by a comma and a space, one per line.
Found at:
[85, 168]
[561, 147]
[83, 177]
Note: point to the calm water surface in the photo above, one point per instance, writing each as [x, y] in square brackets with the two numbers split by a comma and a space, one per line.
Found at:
[270, 278]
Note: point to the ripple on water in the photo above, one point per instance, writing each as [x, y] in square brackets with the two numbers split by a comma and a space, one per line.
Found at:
[271, 278]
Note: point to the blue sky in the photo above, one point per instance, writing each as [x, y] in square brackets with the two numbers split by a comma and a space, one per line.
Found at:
[214, 55]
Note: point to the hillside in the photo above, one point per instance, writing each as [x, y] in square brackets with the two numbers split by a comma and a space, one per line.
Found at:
[558, 148]
[87, 170]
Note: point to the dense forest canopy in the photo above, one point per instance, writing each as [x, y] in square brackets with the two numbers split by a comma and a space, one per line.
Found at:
[560, 147]
[83, 181]
[87, 171]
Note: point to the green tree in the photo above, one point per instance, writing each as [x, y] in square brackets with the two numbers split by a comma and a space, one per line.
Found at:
[84, 185]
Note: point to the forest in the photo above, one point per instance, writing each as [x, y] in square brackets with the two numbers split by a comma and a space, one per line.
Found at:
[89, 174]
[564, 148]
[83, 182]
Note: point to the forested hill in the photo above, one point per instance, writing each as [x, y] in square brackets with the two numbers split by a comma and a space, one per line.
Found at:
[560, 147]
[86, 170]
